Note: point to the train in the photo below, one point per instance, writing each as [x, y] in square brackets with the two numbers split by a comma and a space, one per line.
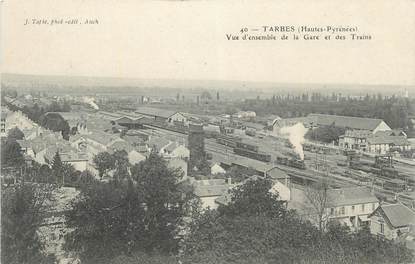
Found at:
[257, 155]
[228, 141]
[247, 146]
[291, 162]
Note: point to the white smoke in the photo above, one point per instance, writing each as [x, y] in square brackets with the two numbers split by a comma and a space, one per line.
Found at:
[90, 101]
[295, 135]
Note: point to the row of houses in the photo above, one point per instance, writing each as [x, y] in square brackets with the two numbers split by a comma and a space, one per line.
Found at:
[354, 207]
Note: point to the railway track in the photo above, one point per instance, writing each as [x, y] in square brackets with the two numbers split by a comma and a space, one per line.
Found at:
[340, 181]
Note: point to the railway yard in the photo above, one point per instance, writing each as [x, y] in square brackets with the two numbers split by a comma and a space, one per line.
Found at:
[390, 181]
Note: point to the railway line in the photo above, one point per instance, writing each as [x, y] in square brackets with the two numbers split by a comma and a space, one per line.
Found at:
[309, 175]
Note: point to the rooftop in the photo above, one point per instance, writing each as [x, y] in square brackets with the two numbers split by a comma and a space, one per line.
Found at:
[345, 121]
[395, 140]
[398, 214]
[350, 196]
[150, 111]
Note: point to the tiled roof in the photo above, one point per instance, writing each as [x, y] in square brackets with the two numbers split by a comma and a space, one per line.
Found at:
[102, 137]
[120, 145]
[350, 196]
[398, 214]
[158, 142]
[66, 152]
[357, 133]
[150, 111]
[276, 173]
[212, 187]
[345, 121]
[395, 140]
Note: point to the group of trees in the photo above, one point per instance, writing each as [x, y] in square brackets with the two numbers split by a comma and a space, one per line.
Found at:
[142, 213]
[22, 212]
[257, 228]
[326, 134]
[11, 155]
[150, 216]
[393, 110]
[117, 163]
[54, 122]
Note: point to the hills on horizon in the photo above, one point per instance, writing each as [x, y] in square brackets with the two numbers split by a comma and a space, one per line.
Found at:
[45, 82]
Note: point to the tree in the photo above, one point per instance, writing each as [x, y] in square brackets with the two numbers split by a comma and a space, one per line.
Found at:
[254, 198]
[44, 174]
[164, 202]
[238, 174]
[104, 162]
[318, 200]
[11, 154]
[58, 168]
[107, 221]
[257, 236]
[55, 122]
[143, 213]
[205, 96]
[15, 134]
[21, 208]
[121, 165]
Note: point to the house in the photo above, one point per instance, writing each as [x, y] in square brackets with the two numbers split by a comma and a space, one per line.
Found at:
[277, 188]
[68, 154]
[18, 119]
[179, 118]
[392, 221]
[157, 144]
[36, 147]
[355, 139]
[208, 191]
[282, 182]
[3, 123]
[245, 114]
[380, 142]
[175, 150]
[135, 157]
[351, 206]
[217, 169]
[94, 143]
[383, 143]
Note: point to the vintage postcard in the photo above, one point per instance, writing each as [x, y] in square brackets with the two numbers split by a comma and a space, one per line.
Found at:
[207, 131]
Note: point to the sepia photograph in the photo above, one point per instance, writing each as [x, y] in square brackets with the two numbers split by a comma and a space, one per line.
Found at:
[207, 132]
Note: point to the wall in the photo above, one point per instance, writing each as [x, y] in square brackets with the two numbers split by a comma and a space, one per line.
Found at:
[79, 165]
[381, 127]
[209, 202]
[375, 227]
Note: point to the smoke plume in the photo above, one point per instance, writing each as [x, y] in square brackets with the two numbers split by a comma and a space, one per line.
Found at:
[295, 135]
[90, 101]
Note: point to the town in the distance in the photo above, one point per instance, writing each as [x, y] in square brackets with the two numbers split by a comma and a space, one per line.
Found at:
[101, 174]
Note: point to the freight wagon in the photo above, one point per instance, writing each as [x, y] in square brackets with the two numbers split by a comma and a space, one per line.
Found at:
[257, 155]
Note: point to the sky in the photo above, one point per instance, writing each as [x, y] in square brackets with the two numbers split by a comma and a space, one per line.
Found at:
[187, 40]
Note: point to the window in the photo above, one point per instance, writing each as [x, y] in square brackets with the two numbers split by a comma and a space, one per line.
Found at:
[382, 228]
[332, 211]
[363, 207]
[342, 210]
[352, 208]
